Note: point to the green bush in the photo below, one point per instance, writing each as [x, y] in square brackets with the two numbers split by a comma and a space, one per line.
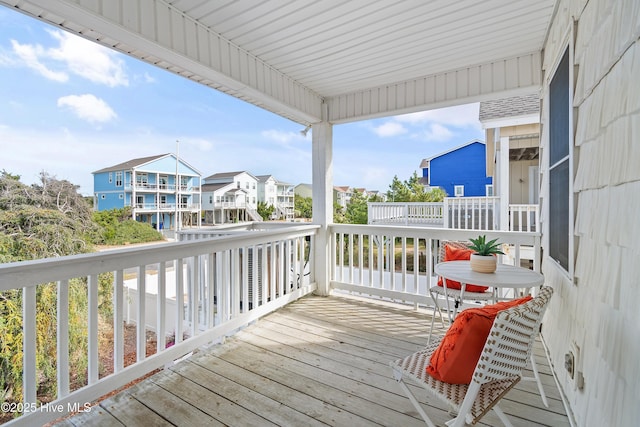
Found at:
[117, 228]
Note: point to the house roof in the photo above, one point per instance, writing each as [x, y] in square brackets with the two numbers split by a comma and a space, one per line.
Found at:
[509, 107]
[515, 110]
[206, 188]
[133, 163]
[339, 61]
[137, 163]
[231, 175]
[425, 162]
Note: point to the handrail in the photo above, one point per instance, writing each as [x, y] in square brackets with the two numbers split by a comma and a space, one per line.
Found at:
[227, 282]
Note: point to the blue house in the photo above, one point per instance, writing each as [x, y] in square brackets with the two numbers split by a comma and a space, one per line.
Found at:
[461, 171]
[151, 186]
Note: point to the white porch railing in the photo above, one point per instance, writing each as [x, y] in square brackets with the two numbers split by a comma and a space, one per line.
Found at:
[221, 284]
[468, 213]
[405, 213]
[397, 262]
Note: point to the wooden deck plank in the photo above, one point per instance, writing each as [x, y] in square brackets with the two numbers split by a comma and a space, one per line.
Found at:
[97, 417]
[312, 407]
[272, 410]
[225, 410]
[318, 361]
[175, 409]
[130, 411]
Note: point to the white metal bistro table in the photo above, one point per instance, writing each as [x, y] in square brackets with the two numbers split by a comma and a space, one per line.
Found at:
[505, 276]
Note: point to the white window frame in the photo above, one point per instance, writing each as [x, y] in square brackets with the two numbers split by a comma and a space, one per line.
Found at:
[458, 190]
[488, 190]
[119, 179]
[110, 177]
[570, 268]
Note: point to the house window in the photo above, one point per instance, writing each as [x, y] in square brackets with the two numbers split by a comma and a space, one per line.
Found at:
[110, 177]
[184, 181]
[118, 179]
[140, 202]
[246, 185]
[163, 181]
[142, 179]
[102, 196]
[489, 190]
[458, 190]
[163, 200]
[559, 163]
[210, 199]
[120, 196]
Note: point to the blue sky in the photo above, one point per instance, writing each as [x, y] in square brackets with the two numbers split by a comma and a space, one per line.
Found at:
[69, 107]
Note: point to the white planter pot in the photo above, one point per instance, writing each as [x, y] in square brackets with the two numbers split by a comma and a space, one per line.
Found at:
[483, 263]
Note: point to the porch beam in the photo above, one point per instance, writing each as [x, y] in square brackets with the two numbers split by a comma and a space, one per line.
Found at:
[322, 199]
[503, 176]
[497, 79]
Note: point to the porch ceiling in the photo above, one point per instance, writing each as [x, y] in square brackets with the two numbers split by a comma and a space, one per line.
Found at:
[360, 58]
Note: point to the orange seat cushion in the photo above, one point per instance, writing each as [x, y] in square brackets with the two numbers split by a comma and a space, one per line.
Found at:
[455, 254]
[456, 357]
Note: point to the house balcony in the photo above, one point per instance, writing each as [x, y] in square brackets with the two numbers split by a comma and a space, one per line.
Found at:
[230, 205]
[168, 207]
[161, 188]
[318, 359]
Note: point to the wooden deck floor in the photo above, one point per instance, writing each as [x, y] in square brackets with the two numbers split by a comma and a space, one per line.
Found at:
[318, 361]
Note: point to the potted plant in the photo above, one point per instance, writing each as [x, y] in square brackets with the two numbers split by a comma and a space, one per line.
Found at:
[484, 260]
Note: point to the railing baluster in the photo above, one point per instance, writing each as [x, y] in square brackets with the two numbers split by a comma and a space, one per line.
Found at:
[29, 379]
[361, 258]
[63, 337]
[194, 287]
[92, 362]
[118, 321]
[416, 264]
[140, 327]
[161, 333]
[403, 262]
[350, 249]
[179, 271]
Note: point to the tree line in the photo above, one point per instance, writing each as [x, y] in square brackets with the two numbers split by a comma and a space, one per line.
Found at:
[410, 190]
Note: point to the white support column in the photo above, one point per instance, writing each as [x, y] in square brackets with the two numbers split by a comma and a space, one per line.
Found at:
[503, 177]
[322, 197]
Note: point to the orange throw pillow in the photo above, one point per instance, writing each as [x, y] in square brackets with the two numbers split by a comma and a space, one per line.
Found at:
[456, 357]
[456, 254]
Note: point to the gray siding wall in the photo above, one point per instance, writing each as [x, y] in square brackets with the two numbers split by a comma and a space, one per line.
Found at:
[598, 311]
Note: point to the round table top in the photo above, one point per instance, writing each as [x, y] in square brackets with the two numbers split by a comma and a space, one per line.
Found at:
[505, 276]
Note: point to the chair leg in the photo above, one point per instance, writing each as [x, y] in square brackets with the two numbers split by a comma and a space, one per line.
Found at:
[536, 378]
[436, 307]
[398, 376]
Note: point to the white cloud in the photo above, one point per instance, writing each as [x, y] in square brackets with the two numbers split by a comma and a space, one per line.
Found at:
[88, 107]
[89, 60]
[435, 125]
[458, 116]
[73, 55]
[284, 138]
[389, 129]
[30, 55]
[437, 132]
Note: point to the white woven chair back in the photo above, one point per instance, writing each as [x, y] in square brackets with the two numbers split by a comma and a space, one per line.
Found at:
[510, 340]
